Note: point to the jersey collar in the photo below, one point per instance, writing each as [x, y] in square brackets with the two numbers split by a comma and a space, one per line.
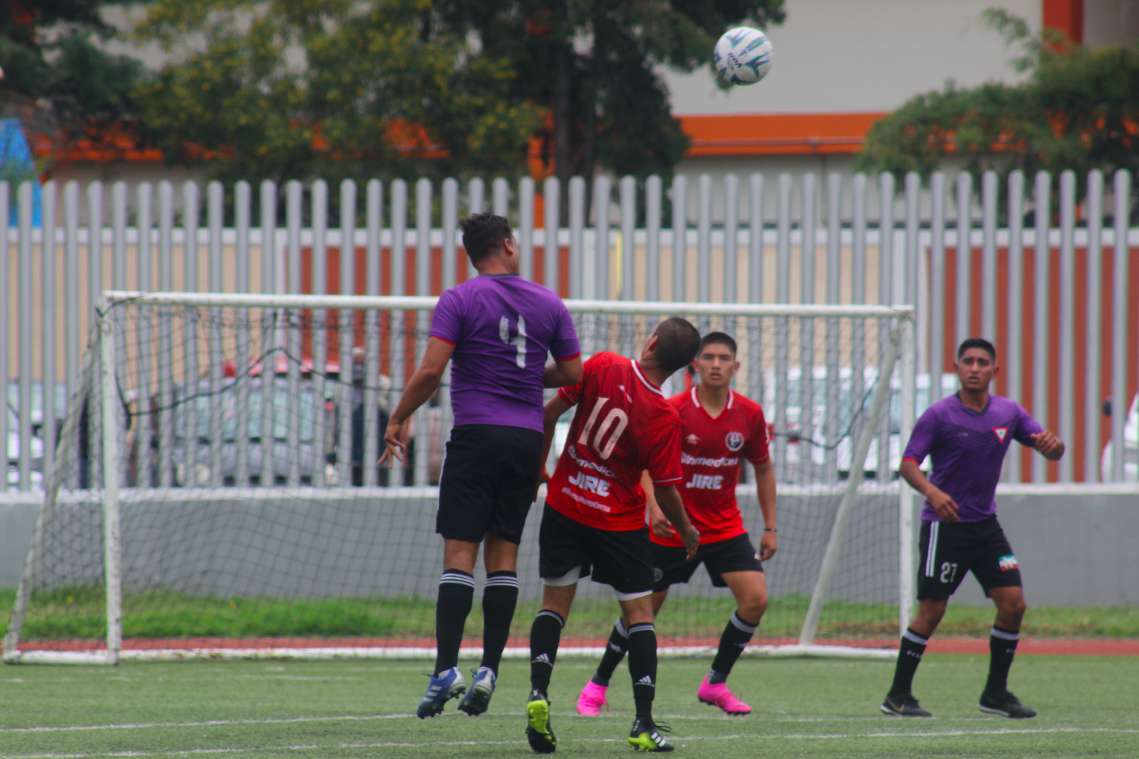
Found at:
[727, 406]
[644, 380]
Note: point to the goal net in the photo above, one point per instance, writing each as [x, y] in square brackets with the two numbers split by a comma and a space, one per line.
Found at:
[216, 489]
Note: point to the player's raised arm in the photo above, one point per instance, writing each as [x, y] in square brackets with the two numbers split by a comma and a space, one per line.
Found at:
[419, 390]
[566, 350]
[564, 371]
[1049, 445]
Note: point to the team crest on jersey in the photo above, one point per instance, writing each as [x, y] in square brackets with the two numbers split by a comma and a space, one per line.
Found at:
[1008, 563]
[1001, 433]
[734, 441]
[692, 439]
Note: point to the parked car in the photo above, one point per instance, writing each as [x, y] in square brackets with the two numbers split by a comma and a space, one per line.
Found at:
[1130, 446]
[260, 420]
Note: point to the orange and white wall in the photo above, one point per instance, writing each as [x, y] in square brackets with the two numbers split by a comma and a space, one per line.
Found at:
[840, 65]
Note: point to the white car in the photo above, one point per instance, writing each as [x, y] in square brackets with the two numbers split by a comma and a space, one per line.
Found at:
[1130, 447]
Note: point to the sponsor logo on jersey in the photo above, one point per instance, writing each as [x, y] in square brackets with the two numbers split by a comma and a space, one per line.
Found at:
[590, 483]
[734, 441]
[571, 451]
[1001, 433]
[705, 482]
[692, 439]
[688, 459]
[1008, 563]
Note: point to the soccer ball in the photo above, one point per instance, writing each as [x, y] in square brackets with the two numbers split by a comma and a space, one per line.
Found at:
[742, 55]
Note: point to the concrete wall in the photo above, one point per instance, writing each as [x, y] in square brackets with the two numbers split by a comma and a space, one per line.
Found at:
[1074, 550]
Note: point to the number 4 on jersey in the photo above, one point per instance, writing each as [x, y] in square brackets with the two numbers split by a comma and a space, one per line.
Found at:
[518, 340]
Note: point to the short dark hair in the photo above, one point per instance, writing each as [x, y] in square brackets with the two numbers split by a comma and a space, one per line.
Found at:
[977, 342]
[482, 233]
[718, 338]
[677, 343]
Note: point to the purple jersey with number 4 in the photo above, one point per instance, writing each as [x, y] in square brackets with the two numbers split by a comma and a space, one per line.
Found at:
[968, 448]
[502, 327]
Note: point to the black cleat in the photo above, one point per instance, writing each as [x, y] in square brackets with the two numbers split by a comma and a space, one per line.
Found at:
[1006, 705]
[649, 736]
[538, 729]
[904, 705]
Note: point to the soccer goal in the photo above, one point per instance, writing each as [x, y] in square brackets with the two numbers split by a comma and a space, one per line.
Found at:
[216, 489]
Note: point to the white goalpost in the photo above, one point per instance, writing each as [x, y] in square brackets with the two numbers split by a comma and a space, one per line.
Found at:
[216, 493]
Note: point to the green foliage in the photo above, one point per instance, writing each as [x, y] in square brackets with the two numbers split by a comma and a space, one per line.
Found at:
[56, 78]
[1077, 109]
[595, 65]
[303, 88]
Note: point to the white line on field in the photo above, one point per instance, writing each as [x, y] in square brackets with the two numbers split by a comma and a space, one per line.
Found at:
[519, 742]
[710, 717]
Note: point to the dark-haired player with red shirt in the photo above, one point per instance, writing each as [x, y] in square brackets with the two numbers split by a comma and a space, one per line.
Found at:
[594, 519]
[719, 430]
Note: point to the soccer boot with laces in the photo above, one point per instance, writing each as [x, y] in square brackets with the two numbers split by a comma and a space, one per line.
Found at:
[441, 688]
[1005, 704]
[538, 729]
[904, 705]
[647, 735]
[718, 694]
[592, 699]
[477, 699]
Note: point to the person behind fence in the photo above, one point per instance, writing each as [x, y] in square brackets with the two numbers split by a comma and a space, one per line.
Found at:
[498, 330]
[967, 435]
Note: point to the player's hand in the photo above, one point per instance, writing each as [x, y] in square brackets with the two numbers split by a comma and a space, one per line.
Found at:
[395, 439]
[691, 538]
[943, 505]
[1048, 444]
[543, 476]
[660, 525]
[768, 545]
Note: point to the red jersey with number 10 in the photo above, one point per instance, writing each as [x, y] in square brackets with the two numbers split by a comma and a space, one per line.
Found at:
[623, 426]
[712, 450]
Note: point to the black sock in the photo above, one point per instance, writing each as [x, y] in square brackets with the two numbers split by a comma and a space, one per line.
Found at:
[643, 667]
[498, 601]
[1002, 648]
[909, 657]
[544, 636]
[732, 643]
[614, 653]
[456, 591]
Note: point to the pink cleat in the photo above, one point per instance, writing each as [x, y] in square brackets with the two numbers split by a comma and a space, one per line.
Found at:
[591, 700]
[719, 695]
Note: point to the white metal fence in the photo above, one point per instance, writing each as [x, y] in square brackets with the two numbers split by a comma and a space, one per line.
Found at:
[1058, 293]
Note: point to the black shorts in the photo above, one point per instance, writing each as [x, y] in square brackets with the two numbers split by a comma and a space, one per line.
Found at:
[950, 550]
[732, 555]
[488, 482]
[622, 559]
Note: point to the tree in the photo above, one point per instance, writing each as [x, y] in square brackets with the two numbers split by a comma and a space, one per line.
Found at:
[284, 89]
[594, 64]
[1078, 109]
[57, 80]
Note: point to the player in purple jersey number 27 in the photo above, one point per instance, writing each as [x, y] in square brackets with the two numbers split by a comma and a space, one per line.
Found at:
[967, 436]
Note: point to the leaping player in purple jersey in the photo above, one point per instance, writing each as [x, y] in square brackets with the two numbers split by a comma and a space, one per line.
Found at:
[967, 435]
[496, 330]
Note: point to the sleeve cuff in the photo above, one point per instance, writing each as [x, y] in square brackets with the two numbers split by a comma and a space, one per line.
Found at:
[669, 481]
[447, 340]
[911, 458]
[567, 357]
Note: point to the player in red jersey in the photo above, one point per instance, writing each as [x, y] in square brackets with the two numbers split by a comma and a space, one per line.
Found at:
[719, 428]
[594, 519]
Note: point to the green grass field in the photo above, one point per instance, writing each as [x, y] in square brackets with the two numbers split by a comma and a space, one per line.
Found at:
[78, 613]
[803, 708]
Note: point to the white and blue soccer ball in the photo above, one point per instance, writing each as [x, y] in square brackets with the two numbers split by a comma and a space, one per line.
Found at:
[742, 55]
